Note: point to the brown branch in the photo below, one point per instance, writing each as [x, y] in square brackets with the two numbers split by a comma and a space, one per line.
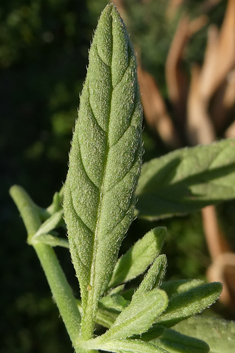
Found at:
[177, 82]
[155, 110]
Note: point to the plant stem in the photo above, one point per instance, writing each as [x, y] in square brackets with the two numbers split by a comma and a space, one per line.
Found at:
[59, 286]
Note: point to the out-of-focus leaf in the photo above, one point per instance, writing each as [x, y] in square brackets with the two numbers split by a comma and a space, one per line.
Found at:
[218, 334]
[187, 180]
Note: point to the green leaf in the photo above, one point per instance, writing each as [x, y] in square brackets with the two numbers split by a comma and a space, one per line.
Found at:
[117, 290]
[109, 308]
[115, 301]
[104, 161]
[50, 240]
[139, 316]
[139, 257]
[187, 180]
[152, 333]
[219, 334]
[153, 277]
[106, 317]
[191, 302]
[57, 202]
[50, 224]
[175, 342]
[180, 285]
[123, 345]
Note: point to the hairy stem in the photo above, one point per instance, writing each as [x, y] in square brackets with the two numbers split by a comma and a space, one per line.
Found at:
[59, 286]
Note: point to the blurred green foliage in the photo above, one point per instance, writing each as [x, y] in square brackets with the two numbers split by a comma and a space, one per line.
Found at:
[43, 57]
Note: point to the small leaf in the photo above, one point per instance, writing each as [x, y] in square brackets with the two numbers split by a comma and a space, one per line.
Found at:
[57, 202]
[50, 240]
[50, 224]
[117, 290]
[138, 257]
[191, 302]
[116, 302]
[153, 277]
[187, 180]
[139, 316]
[218, 334]
[104, 161]
[174, 342]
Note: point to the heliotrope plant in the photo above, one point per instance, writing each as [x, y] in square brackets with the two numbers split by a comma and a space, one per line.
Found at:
[98, 203]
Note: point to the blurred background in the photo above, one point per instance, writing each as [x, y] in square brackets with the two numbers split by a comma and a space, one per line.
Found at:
[186, 53]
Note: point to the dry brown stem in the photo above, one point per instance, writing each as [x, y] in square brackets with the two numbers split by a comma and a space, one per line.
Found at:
[155, 110]
[176, 79]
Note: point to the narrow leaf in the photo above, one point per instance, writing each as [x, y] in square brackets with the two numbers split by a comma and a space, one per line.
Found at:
[117, 290]
[191, 302]
[50, 240]
[139, 316]
[175, 342]
[187, 180]
[57, 202]
[106, 317]
[50, 224]
[219, 334]
[154, 276]
[139, 257]
[105, 159]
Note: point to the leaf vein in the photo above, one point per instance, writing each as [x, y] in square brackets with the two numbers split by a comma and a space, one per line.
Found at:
[83, 166]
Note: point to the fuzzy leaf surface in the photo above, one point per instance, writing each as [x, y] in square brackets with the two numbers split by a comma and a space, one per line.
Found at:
[154, 276]
[105, 159]
[50, 224]
[139, 316]
[51, 240]
[218, 334]
[125, 345]
[191, 302]
[139, 257]
[187, 180]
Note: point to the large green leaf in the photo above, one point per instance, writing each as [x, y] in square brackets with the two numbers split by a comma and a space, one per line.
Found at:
[187, 180]
[219, 334]
[105, 159]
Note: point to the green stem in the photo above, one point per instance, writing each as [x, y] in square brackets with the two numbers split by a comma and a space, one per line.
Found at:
[59, 286]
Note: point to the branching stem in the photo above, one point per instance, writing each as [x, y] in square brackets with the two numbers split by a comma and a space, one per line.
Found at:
[59, 286]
